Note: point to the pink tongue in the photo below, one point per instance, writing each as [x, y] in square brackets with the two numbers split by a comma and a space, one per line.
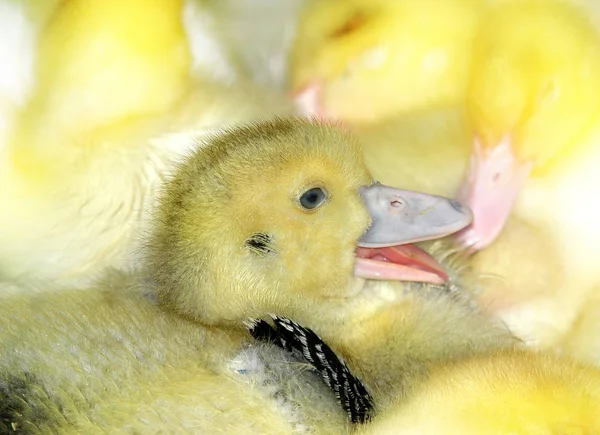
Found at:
[398, 263]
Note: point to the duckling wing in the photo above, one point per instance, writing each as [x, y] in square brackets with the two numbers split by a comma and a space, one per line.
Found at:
[108, 359]
[348, 389]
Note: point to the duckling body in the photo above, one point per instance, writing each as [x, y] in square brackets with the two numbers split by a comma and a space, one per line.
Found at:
[509, 396]
[101, 348]
[80, 168]
[262, 219]
[533, 105]
[111, 359]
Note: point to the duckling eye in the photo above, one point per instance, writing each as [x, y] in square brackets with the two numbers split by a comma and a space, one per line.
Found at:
[312, 198]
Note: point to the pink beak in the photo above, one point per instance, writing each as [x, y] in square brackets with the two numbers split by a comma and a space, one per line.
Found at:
[494, 179]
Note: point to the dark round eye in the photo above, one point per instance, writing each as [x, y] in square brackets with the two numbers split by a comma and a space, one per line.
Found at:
[312, 198]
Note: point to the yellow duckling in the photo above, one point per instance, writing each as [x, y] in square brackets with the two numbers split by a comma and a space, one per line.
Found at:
[507, 393]
[267, 218]
[264, 218]
[80, 169]
[520, 87]
[534, 106]
[362, 61]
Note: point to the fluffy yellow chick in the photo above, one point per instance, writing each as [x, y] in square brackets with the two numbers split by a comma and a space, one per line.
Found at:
[132, 367]
[533, 103]
[80, 169]
[275, 217]
[507, 393]
[229, 242]
[362, 61]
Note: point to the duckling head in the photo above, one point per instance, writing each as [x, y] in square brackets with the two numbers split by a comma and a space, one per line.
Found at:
[268, 218]
[389, 56]
[533, 94]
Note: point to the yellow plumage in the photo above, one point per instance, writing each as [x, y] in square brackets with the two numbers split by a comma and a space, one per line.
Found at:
[425, 151]
[534, 93]
[79, 178]
[111, 359]
[371, 60]
[500, 394]
[86, 154]
[533, 81]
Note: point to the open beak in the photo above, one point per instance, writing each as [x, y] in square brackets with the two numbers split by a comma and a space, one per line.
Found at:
[494, 179]
[399, 218]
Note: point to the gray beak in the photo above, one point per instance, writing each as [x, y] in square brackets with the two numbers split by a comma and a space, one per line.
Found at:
[403, 216]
